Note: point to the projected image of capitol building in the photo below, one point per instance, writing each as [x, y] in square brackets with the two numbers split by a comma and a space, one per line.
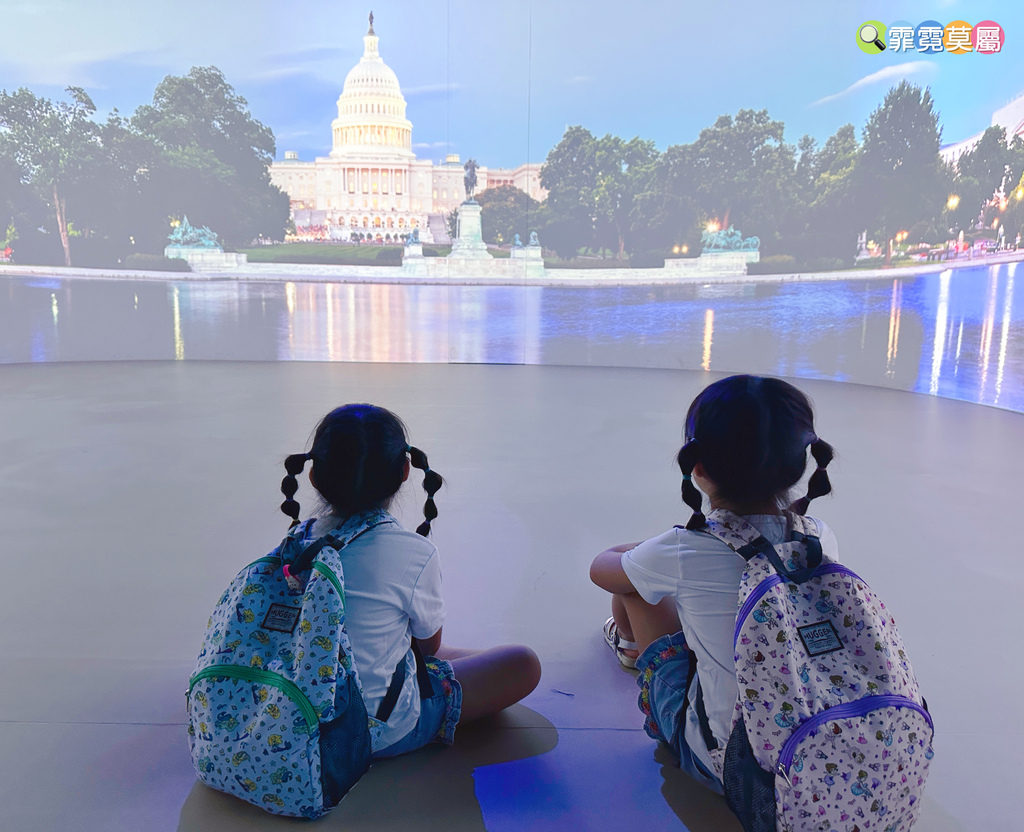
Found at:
[372, 183]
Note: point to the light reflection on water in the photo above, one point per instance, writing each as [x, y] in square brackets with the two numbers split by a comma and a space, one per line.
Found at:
[956, 334]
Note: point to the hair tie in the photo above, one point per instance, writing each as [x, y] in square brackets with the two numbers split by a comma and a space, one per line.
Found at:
[686, 477]
[408, 449]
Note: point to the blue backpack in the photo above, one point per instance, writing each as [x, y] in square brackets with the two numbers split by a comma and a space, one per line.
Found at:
[829, 731]
[276, 712]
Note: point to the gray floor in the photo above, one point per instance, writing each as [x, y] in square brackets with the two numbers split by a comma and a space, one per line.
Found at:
[130, 494]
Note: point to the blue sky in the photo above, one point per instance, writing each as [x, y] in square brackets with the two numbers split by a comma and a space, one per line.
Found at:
[500, 80]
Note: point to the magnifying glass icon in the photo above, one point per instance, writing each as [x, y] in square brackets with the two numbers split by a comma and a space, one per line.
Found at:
[869, 34]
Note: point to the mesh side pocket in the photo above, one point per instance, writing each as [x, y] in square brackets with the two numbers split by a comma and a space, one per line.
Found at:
[344, 744]
[749, 789]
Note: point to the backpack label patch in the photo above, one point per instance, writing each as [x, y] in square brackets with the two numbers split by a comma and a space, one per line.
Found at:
[820, 638]
[282, 618]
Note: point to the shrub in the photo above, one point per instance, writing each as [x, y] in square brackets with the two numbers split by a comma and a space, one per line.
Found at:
[647, 260]
[923, 232]
[773, 264]
[155, 263]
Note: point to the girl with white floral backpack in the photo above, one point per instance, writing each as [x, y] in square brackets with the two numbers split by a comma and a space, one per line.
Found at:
[772, 671]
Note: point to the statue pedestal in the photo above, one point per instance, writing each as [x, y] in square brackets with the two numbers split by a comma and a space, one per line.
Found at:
[528, 253]
[414, 264]
[206, 259]
[713, 263]
[469, 239]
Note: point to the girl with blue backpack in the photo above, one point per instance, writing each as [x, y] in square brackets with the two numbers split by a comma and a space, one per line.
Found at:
[773, 673]
[327, 653]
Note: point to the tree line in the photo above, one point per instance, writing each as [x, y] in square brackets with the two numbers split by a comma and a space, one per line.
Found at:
[622, 197]
[76, 190]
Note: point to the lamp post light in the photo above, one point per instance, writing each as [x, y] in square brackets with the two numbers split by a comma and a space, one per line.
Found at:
[952, 202]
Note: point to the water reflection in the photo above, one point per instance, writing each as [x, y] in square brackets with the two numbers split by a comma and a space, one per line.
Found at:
[956, 334]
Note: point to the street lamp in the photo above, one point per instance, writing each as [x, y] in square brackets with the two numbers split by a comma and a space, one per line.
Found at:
[952, 202]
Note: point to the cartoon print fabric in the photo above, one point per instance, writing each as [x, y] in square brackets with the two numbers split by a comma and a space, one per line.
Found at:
[826, 692]
[275, 669]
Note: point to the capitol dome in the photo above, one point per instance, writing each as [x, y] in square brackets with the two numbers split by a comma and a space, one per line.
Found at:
[371, 109]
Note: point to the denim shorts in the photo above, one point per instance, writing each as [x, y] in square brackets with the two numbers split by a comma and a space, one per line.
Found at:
[439, 712]
[664, 667]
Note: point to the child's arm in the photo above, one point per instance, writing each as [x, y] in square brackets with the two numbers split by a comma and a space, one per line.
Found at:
[430, 646]
[606, 570]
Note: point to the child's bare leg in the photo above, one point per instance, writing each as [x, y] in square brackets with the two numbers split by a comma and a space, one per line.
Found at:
[622, 624]
[492, 679]
[642, 622]
[447, 652]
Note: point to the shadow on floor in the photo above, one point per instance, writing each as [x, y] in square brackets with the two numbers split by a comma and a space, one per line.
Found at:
[699, 808]
[432, 789]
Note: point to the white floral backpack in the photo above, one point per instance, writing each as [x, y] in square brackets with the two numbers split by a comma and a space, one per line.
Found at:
[830, 731]
[276, 712]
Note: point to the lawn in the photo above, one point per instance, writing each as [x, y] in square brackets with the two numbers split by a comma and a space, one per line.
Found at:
[333, 254]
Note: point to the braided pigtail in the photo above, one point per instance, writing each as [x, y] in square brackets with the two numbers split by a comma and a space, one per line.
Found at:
[289, 485]
[432, 481]
[818, 485]
[687, 458]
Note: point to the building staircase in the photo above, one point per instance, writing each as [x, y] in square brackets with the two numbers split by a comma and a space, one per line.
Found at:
[439, 229]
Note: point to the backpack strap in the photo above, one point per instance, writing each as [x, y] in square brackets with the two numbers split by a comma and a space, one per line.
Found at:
[333, 539]
[387, 704]
[701, 711]
[748, 542]
[422, 674]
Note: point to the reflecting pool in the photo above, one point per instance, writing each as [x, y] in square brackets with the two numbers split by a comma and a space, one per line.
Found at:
[956, 333]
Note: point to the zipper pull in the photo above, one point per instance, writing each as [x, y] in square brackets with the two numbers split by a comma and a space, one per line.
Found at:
[294, 584]
[780, 771]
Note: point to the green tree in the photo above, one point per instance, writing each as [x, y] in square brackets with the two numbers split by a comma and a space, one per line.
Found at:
[899, 173]
[987, 162]
[742, 173]
[53, 144]
[569, 175]
[623, 171]
[215, 157]
[835, 215]
[506, 211]
[665, 210]
[20, 206]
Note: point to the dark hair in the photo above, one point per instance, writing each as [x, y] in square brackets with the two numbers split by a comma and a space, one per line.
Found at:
[751, 434]
[359, 455]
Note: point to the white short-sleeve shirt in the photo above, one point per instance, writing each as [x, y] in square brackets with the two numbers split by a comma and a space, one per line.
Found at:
[392, 593]
[703, 575]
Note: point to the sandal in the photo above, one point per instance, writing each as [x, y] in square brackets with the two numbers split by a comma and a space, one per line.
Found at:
[618, 644]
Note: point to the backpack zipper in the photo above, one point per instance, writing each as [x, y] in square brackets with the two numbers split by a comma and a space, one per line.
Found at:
[322, 568]
[848, 709]
[774, 580]
[252, 674]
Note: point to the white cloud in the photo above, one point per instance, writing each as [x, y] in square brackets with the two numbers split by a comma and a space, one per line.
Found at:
[889, 73]
[580, 79]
